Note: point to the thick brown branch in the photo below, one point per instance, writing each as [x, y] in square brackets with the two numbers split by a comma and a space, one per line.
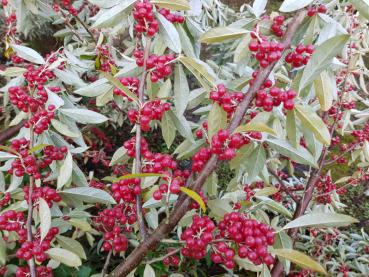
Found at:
[8, 133]
[182, 205]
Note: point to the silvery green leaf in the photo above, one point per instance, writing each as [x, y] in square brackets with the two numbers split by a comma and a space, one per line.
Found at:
[65, 172]
[53, 99]
[6, 156]
[28, 54]
[169, 34]
[182, 125]
[181, 90]
[294, 5]
[84, 116]
[89, 195]
[69, 77]
[107, 16]
[259, 7]
[94, 89]
[45, 218]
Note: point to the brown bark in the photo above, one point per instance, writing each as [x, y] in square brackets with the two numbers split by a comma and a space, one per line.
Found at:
[8, 133]
[181, 207]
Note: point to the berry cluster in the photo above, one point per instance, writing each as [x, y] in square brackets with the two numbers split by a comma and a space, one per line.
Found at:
[159, 66]
[172, 260]
[361, 135]
[36, 77]
[5, 200]
[228, 101]
[114, 240]
[41, 120]
[132, 83]
[174, 18]
[126, 190]
[324, 188]
[152, 162]
[278, 26]
[144, 15]
[52, 153]
[223, 254]
[48, 194]
[197, 237]
[27, 163]
[41, 271]
[178, 180]
[200, 132]
[266, 52]
[300, 56]
[252, 237]
[37, 247]
[21, 98]
[224, 144]
[121, 215]
[3, 270]
[153, 110]
[68, 5]
[12, 221]
[200, 158]
[313, 10]
[273, 97]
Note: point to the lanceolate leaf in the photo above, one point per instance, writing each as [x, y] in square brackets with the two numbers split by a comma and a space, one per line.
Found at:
[220, 34]
[299, 155]
[120, 86]
[71, 245]
[89, 195]
[167, 130]
[255, 127]
[322, 58]
[255, 162]
[6, 156]
[64, 256]
[314, 123]
[28, 54]
[324, 90]
[181, 125]
[300, 259]
[195, 196]
[181, 90]
[66, 170]
[199, 71]
[176, 5]
[291, 128]
[45, 217]
[294, 5]
[84, 116]
[321, 220]
[217, 120]
[169, 33]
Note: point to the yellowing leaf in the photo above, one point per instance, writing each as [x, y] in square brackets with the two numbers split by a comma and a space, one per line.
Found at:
[195, 196]
[132, 176]
[255, 127]
[36, 148]
[300, 259]
[314, 123]
[176, 5]
[220, 34]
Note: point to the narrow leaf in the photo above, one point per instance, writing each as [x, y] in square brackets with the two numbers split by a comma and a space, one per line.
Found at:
[89, 195]
[176, 5]
[120, 86]
[220, 34]
[28, 54]
[167, 130]
[321, 220]
[45, 218]
[255, 127]
[64, 256]
[217, 120]
[169, 34]
[181, 90]
[66, 171]
[195, 196]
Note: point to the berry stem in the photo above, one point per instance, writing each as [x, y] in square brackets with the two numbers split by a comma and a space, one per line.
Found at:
[183, 202]
[141, 96]
[171, 253]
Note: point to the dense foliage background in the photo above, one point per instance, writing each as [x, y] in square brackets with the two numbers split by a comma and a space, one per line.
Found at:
[184, 138]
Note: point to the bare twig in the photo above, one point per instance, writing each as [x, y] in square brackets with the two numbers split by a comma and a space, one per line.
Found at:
[86, 28]
[8, 133]
[283, 186]
[171, 253]
[106, 264]
[183, 202]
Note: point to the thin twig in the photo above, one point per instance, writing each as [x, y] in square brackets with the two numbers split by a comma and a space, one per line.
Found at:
[106, 264]
[141, 96]
[171, 253]
[31, 262]
[283, 186]
[86, 28]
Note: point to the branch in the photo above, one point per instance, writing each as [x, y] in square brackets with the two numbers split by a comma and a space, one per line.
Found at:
[141, 96]
[171, 253]
[86, 28]
[283, 186]
[30, 210]
[8, 133]
[183, 203]
[106, 264]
